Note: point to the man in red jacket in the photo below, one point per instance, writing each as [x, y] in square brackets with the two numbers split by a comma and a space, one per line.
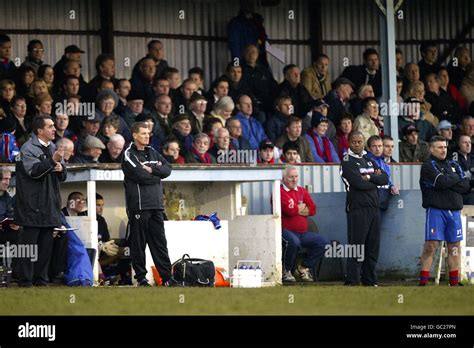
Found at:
[296, 206]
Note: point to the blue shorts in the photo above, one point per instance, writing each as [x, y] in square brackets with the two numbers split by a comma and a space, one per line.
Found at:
[443, 225]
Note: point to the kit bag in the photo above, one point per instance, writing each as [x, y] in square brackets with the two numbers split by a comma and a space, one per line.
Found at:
[194, 272]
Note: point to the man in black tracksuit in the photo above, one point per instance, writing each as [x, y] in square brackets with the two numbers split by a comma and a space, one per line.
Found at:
[361, 176]
[144, 168]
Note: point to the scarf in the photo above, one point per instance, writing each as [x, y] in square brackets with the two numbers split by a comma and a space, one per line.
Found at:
[343, 143]
[322, 79]
[202, 158]
[379, 125]
[326, 146]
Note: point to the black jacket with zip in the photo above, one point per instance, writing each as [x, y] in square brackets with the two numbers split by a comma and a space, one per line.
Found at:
[361, 193]
[144, 191]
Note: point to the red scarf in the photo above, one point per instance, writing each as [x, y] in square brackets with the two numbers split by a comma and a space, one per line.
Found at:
[327, 157]
[343, 143]
[204, 159]
[379, 125]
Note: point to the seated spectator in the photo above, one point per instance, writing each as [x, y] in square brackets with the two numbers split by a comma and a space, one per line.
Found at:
[171, 151]
[105, 70]
[161, 112]
[451, 89]
[417, 90]
[399, 90]
[209, 127]
[161, 86]
[428, 64]
[73, 68]
[223, 109]
[338, 99]
[134, 108]
[266, 153]
[182, 96]
[445, 129]
[467, 85]
[219, 89]
[61, 124]
[156, 53]
[259, 78]
[23, 123]
[182, 132]
[91, 126]
[237, 86]
[91, 150]
[464, 158]
[321, 147]
[399, 62]
[292, 87]
[412, 74]
[72, 53]
[411, 148]
[341, 141]
[366, 73]
[37, 87]
[142, 82]
[114, 150]
[412, 115]
[7, 93]
[221, 144]
[174, 78]
[26, 76]
[69, 87]
[457, 66]
[363, 92]
[35, 55]
[197, 75]
[388, 149]
[443, 105]
[197, 112]
[8, 69]
[8, 147]
[122, 90]
[68, 146]
[467, 128]
[105, 105]
[43, 105]
[291, 153]
[370, 122]
[296, 206]
[46, 73]
[293, 133]
[76, 203]
[238, 142]
[109, 128]
[316, 79]
[375, 147]
[9, 234]
[198, 153]
[321, 108]
[276, 124]
[252, 130]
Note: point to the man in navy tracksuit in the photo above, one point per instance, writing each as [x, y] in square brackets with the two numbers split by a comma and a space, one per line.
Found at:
[442, 183]
[361, 176]
[144, 168]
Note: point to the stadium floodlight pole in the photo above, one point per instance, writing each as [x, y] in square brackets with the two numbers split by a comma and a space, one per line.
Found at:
[388, 66]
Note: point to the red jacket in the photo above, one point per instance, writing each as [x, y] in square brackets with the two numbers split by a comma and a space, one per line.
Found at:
[291, 219]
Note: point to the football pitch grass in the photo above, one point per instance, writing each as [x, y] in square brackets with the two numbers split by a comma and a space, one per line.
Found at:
[281, 300]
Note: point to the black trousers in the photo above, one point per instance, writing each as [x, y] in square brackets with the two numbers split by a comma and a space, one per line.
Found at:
[58, 262]
[28, 270]
[147, 227]
[363, 229]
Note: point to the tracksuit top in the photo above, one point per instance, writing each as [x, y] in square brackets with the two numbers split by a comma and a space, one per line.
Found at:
[291, 220]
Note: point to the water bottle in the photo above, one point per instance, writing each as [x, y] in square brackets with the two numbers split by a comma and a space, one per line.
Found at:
[258, 277]
[251, 277]
[243, 277]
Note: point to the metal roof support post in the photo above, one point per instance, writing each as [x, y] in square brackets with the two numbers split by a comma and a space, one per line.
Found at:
[390, 108]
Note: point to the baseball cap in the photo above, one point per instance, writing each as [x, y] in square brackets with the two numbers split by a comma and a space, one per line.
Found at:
[445, 124]
[409, 129]
[267, 143]
[73, 49]
[318, 102]
[92, 142]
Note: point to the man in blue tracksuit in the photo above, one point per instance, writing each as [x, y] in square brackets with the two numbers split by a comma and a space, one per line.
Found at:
[442, 183]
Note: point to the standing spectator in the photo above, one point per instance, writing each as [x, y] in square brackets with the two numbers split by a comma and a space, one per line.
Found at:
[114, 150]
[321, 147]
[428, 64]
[457, 66]
[411, 148]
[375, 153]
[370, 122]
[293, 133]
[316, 77]
[296, 206]
[388, 149]
[361, 176]
[366, 73]
[252, 129]
[293, 88]
[35, 54]
[156, 52]
[38, 173]
[341, 141]
[105, 70]
[442, 183]
[144, 168]
[338, 99]
[259, 78]
[8, 69]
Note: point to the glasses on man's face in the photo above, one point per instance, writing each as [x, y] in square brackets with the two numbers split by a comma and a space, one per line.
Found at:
[36, 50]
